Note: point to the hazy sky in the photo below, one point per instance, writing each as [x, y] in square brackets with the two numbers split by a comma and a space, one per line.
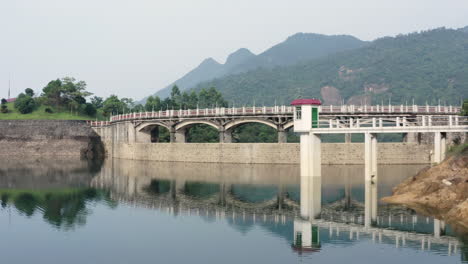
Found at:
[134, 47]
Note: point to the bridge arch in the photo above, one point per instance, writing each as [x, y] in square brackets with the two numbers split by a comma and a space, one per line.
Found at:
[143, 126]
[188, 123]
[150, 132]
[235, 123]
[288, 125]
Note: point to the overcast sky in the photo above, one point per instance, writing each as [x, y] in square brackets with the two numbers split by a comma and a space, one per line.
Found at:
[132, 48]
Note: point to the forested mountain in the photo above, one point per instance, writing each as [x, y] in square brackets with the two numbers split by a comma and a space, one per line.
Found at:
[426, 66]
[296, 48]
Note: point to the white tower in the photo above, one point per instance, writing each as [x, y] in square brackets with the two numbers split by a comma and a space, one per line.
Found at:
[306, 118]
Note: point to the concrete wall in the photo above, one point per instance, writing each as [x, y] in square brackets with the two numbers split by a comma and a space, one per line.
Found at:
[272, 153]
[48, 138]
[121, 141]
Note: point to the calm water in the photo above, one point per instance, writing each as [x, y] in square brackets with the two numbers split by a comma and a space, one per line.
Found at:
[64, 211]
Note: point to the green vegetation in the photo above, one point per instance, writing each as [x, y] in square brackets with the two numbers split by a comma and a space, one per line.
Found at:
[461, 149]
[41, 113]
[62, 208]
[298, 47]
[465, 108]
[425, 66]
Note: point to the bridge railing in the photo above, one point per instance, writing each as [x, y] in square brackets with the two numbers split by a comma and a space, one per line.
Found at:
[421, 121]
[97, 123]
[288, 110]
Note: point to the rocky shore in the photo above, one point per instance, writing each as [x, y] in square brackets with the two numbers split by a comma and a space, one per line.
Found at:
[47, 138]
[440, 191]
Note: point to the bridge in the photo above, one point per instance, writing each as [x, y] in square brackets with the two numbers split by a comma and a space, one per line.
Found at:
[225, 120]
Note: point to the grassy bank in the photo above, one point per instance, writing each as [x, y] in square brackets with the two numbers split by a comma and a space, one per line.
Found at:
[40, 113]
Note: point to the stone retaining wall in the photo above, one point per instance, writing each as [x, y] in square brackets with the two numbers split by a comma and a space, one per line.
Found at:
[268, 153]
[49, 138]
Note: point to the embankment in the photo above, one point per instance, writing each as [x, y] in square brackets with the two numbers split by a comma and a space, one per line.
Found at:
[440, 191]
[26, 138]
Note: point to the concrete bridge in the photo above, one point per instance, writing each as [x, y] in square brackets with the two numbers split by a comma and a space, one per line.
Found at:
[145, 124]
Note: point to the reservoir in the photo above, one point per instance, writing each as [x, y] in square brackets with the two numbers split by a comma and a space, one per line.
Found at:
[128, 211]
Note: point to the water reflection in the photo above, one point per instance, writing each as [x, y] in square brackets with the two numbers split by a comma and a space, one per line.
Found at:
[244, 197]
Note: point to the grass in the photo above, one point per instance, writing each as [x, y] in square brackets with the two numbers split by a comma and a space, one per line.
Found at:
[461, 149]
[40, 114]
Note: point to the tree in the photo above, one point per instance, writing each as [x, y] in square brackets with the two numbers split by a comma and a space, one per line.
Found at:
[25, 103]
[113, 105]
[66, 92]
[4, 108]
[97, 102]
[153, 103]
[465, 108]
[4, 101]
[29, 92]
[138, 108]
[90, 109]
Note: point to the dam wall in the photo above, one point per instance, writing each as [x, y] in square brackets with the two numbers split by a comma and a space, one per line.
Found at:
[269, 153]
[26, 138]
[121, 141]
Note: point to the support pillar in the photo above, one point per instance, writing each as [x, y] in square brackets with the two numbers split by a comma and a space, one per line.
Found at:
[440, 144]
[282, 136]
[311, 175]
[172, 137]
[371, 179]
[347, 137]
[410, 137]
[439, 228]
[225, 136]
[180, 136]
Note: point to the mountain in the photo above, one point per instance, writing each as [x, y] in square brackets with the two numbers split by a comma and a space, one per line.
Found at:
[425, 66]
[299, 47]
[465, 29]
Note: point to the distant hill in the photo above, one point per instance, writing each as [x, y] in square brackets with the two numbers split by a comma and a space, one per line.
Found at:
[426, 66]
[299, 47]
[465, 29]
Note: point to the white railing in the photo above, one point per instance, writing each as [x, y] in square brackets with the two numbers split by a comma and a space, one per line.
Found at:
[372, 122]
[246, 111]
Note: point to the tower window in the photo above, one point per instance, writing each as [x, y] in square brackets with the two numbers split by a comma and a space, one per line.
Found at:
[298, 112]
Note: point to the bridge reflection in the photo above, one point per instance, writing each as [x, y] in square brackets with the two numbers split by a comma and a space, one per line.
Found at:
[276, 199]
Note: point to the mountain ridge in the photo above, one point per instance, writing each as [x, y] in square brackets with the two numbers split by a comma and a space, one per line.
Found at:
[425, 66]
[297, 47]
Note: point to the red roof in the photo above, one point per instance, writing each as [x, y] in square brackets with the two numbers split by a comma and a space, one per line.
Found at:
[306, 102]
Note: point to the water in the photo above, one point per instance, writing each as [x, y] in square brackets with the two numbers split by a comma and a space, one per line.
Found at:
[65, 211]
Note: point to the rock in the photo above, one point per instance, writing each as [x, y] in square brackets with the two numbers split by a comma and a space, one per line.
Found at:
[440, 191]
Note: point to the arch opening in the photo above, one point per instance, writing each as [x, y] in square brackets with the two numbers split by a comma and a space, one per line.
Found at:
[154, 133]
[201, 133]
[254, 133]
[254, 194]
[200, 190]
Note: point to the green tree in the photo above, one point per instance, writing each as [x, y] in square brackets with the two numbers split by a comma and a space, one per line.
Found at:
[29, 92]
[465, 108]
[97, 102]
[4, 108]
[25, 103]
[90, 109]
[113, 105]
[66, 92]
[153, 103]
[4, 101]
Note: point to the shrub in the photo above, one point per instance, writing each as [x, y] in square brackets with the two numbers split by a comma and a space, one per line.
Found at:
[4, 108]
[48, 110]
[89, 109]
[25, 104]
[4, 101]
